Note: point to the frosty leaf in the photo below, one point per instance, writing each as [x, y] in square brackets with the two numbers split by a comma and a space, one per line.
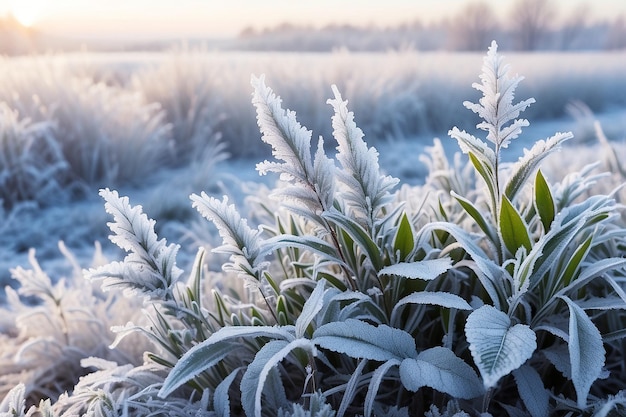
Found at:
[531, 390]
[291, 144]
[239, 240]
[193, 363]
[488, 272]
[324, 176]
[358, 339]
[265, 360]
[208, 353]
[441, 369]
[221, 402]
[497, 347]
[569, 223]
[312, 306]
[532, 159]
[351, 388]
[14, 402]
[366, 190]
[374, 384]
[586, 351]
[611, 406]
[470, 144]
[306, 242]
[439, 298]
[426, 270]
[150, 267]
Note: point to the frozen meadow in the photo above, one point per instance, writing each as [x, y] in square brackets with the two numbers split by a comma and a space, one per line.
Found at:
[465, 274]
[159, 126]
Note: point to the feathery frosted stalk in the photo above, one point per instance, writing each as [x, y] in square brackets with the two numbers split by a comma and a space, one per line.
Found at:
[240, 241]
[496, 107]
[150, 266]
[312, 189]
[366, 190]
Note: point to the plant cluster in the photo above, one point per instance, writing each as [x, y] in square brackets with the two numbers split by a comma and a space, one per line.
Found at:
[488, 291]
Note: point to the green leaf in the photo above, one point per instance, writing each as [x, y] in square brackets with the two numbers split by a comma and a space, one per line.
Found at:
[404, 239]
[485, 170]
[513, 229]
[586, 351]
[544, 202]
[497, 347]
[575, 260]
[359, 235]
[358, 339]
[439, 368]
[477, 216]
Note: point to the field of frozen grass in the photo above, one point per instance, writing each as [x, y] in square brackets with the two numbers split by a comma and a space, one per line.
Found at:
[477, 278]
[158, 126]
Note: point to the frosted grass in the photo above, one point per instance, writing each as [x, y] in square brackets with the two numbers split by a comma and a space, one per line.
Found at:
[401, 100]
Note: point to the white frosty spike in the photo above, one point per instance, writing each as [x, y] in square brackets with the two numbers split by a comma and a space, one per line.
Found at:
[291, 144]
[150, 267]
[366, 190]
[496, 107]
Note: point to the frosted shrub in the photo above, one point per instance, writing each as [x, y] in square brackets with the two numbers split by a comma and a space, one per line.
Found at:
[101, 130]
[104, 132]
[53, 327]
[497, 293]
[32, 166]
[184, 87]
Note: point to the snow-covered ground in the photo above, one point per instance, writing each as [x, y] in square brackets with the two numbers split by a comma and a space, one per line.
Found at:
[166, 198]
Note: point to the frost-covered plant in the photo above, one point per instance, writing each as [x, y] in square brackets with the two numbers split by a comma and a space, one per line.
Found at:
[32, 166]
[100, 129]
[497, 293]
[526, 261]
[182, 86]
[54, 326]
[104, 131]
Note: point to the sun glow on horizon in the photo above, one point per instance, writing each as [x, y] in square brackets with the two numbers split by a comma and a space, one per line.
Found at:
[28, 12]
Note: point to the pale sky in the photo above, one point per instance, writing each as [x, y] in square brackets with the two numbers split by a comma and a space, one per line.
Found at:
[147, 19]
